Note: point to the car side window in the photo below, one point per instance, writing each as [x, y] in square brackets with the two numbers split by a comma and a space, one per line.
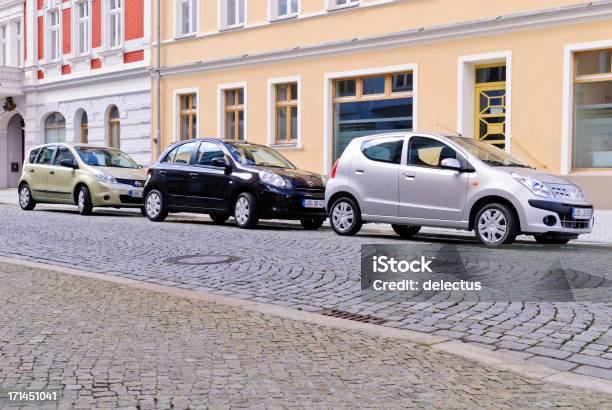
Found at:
[384, 149]
[62, 154]
[46, 153]
[207, 152]
[428, 152]
[184, 152]
[33, 155]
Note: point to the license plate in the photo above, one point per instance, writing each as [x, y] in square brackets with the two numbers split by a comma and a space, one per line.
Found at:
[136, 194]
[313, 203]
[582, 213]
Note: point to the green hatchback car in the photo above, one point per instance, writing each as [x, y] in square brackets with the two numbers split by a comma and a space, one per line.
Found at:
[81, 175]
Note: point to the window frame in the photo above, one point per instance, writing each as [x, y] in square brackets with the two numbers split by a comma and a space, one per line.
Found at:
[78, 22]
[190, 112]
[116, 15]
[388, 93]
[194, 9]
[53, 127]
[333, 4]
[19, 40]
[236, 108]
[273, 10]
[113, 123]
[273, 104]
[84, 128]
[4, 50]
[221, 100]
[223, 15]
[54, 34]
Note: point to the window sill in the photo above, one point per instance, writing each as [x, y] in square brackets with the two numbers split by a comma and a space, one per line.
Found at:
[287, 147]
[283, 18]
[343, 7]
[230, 28]
[184, 36]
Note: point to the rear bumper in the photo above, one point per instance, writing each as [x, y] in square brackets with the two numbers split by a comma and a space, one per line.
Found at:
[564, 223]
[288, 205]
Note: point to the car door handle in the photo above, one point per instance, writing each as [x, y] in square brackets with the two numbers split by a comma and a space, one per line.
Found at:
[52, 172]
[359, 171]
[193, 174]
[408, 175]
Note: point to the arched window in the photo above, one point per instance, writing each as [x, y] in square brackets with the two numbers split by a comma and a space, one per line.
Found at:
[55, 128]
[84, 128]
[114, 127]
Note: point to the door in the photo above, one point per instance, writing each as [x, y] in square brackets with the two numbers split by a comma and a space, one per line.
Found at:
[60, 183]
[375, 173]
[490, 104]
[208, 183]
[39, 173]
[427, 191]
[175, 174]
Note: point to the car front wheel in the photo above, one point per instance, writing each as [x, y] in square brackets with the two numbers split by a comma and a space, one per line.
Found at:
[155, 206]
[26, 202]
[345, 217]
[496, 225]
[245, 211]
[84, 201]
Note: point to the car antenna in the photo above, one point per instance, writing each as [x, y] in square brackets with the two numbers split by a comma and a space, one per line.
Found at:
[449, 129]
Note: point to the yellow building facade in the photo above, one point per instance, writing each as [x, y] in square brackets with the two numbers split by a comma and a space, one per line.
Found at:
[306, 76]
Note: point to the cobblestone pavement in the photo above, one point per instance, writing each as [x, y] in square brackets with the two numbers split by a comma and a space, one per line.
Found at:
[112, 345]
[306, 270]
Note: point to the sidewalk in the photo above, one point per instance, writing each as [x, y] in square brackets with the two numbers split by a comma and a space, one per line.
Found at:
[602, 232]
[111, 345]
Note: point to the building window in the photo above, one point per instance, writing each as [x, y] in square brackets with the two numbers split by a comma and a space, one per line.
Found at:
[114, 127]
[55, 128]
[3, 46]
[82, 15]
[54, 35]
[371, 105]
[282, 9]
[84, 128]
[338, 4]
[187, 14]
[286, 113]
[592, 140]
[188, 116]
[19, 37]
[115, 24]
[234, 114]
[232, 13]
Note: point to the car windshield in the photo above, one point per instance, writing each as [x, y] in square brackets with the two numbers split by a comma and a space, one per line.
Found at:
[104, 157]
[488, 153]
[248, 154]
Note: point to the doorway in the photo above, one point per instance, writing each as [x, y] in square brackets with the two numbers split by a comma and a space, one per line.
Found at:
[490, 104]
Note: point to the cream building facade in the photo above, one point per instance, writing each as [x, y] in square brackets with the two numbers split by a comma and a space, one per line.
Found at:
[306, 76]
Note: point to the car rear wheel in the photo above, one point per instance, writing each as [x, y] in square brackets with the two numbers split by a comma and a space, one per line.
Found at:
[219, 219]
[406, 231]
[550, 240]
[155, 206]
[496, 225]
[245, 211]
[312, 223]
[26, 202]
[84, 201]
[345, 218]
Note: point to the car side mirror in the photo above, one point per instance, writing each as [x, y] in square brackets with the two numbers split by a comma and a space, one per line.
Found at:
[451, 163]
[221, 162]
[69, 163]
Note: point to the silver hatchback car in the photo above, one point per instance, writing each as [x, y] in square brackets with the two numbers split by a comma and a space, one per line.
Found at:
[414, 180]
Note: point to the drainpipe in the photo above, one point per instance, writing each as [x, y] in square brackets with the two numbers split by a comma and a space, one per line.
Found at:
[158, 130]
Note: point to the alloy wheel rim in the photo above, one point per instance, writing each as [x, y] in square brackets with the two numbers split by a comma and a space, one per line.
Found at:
[24, 197]
[492, 226]
[343, 216]
[153, 205]
[242, 210]
[81, 200]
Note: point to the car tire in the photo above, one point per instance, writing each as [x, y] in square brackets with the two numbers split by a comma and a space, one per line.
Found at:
[219, 219]
[312, 223]
[246, 213]
[84, 201]
[547, 240]
[345, 217]
[495, 225]
[26, 202]
[406, 231]
[155, 206]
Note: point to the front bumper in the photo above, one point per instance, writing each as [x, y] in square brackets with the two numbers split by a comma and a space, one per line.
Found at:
[541, 211]
[116, 195]
[277, 204]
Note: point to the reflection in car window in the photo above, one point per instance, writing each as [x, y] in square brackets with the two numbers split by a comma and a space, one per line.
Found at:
[207, 152]
[106, 157]
[45, 155]
[62, 153]
[428, 152]
[248, 154]
[384, 150]
[184, 152]
[169, 158]
[33, 155]
[488, 153]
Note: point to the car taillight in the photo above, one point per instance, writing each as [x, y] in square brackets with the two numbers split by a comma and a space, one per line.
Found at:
[333, 173]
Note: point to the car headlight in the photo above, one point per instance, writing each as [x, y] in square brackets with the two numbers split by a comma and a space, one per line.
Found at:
[273, 179]
[536, 186]
[102, 177]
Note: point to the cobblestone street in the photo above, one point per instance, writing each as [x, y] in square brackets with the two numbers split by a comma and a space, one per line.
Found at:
[311, 271]
[111, 345]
